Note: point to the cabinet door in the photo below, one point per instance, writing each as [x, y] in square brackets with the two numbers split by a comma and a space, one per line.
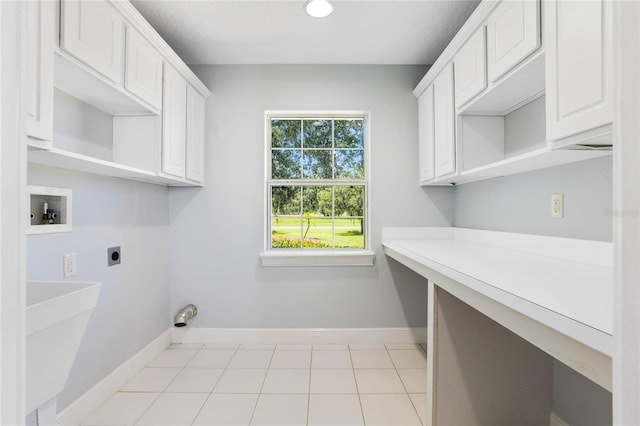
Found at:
[174, 122]
[39, 72]
[470, 68]
[426, 135]
[195, 135]
[513, 33]
[143, 73]
[93, 32]
[578, 64]
[444, 115]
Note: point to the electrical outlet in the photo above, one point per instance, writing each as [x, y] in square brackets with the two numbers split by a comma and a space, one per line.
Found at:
[70, 265]
[557, 205]
[113, 256]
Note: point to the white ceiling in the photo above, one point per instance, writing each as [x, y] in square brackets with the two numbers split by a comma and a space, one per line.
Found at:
[279, 32]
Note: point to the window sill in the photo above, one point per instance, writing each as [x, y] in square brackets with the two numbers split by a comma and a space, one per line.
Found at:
[288, 257]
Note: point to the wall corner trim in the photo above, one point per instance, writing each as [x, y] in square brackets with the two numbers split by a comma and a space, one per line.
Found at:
[555, 420]
[87, 403]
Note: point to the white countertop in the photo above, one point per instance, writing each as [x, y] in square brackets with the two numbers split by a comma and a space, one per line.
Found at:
[566, 284]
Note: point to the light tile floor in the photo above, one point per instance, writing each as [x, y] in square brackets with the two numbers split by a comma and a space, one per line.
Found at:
[228, 385]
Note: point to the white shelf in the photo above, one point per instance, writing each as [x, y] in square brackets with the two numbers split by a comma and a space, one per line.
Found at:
[516, 88]
[72, 161]
[562, 286]
[73, 77]
[535, 160]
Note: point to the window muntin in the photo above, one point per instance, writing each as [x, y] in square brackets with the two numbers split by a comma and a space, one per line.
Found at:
[316, 184]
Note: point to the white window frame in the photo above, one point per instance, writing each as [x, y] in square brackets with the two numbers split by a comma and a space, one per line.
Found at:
[325, 256]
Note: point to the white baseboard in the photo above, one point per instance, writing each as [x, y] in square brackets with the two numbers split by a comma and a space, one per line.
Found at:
[557, 421]
[88, 402]
[318, 336]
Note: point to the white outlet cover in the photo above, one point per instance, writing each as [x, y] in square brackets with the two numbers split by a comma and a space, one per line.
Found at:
[557, 205]
[70, 265]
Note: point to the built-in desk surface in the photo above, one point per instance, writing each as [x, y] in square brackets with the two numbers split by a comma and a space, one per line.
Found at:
[564, 284]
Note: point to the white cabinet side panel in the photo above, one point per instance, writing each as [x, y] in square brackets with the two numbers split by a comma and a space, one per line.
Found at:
[445, 150]
[426, 146]
[195, 135]
[626, 204]
[174, 122]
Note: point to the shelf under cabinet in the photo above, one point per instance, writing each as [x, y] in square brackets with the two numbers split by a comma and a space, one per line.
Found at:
[73, 161]
[534, 160]
[516, 88]
[530, 161]
[73, 77]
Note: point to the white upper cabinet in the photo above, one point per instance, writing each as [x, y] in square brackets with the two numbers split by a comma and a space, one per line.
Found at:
[39, 71]
[93, 32]
[426, 135]
[578, 66]
[113, 67]
[492, 118]
[513, 33]
[174, 122]
[444, 116]
[195, 135]
[471, 68]
[143, 74]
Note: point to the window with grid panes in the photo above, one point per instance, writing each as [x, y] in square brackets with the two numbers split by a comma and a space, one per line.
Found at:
[317, 186]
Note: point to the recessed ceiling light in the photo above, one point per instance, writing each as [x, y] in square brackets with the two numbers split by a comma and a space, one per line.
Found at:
[318, 8]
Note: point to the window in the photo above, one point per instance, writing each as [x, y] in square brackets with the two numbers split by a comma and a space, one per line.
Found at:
[316, 182]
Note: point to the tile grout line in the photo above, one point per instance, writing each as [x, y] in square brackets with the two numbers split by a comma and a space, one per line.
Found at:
[165, 388]
[309, 386]
[183, 367]
[353, 370]
[415, 409]
[202, 406]
[395, 367]
[141, 415]
[209, 393]
[179, 372]
[214, 385]
[264, 380]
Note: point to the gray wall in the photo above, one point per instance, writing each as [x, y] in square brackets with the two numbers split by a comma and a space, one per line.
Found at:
[522, 203]
[133, 305]
[217, 232]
